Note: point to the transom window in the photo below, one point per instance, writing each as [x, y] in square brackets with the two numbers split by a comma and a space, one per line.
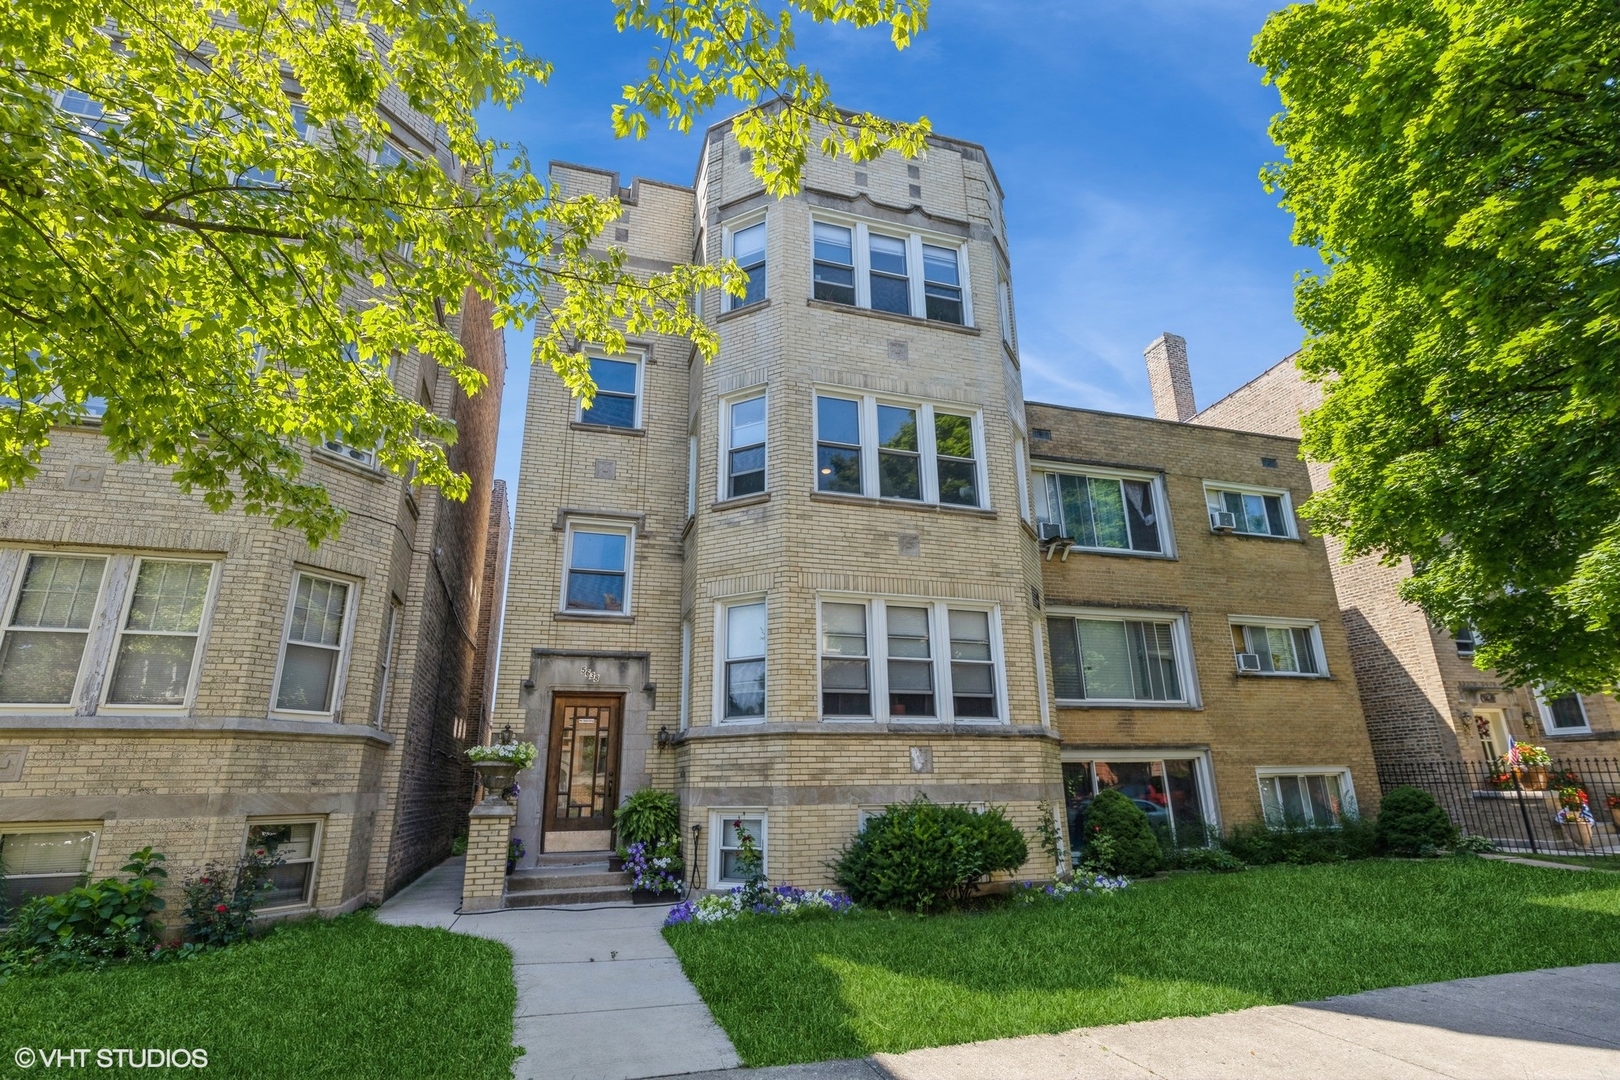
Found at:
[161, 607]
[1254, 511]
[1107, 513]
[743, 685]
[1289, 649]
[916, 452]
[618, 388]
[292, 882]
[1309, 798]
[313, 646]
[745, 446]
[748, 249]
[884, 659]
[897, 272]
[1097, 658]
[43, 862]
[598, 569]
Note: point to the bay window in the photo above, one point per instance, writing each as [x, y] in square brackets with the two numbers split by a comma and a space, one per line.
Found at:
[744, 464]
[742, 684]
[313, 646]
[909, 660]
[917, 452]
[883, 269]
[748, 249]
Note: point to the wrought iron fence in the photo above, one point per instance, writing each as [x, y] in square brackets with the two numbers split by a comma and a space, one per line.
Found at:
[1518, 810]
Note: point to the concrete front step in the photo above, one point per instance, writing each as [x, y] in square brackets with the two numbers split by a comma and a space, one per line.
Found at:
[555, 897]
[567, 877]
[570, 858]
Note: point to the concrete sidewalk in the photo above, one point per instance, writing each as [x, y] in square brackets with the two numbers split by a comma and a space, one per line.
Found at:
[600, 994]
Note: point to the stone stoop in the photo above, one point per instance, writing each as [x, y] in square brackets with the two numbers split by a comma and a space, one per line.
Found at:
[568, 877]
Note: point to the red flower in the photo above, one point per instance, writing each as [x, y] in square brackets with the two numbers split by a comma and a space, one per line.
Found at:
[221, 907]
[202, 881]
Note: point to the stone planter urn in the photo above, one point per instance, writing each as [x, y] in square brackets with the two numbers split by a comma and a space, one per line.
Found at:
[1578, 833]
[1534, 778]
[497, 778]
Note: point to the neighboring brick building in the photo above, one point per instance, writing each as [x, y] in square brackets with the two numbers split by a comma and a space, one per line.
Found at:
[182, 678]
[805, 581]
[1421, 693]
[1197, 658]
[491, 601]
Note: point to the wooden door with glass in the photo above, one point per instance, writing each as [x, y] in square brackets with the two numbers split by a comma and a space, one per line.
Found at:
[582, 772]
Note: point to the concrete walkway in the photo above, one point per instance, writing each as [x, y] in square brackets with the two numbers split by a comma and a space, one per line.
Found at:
[600, 994]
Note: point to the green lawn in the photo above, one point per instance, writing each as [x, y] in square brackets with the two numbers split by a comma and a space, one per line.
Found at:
[790, 991]
[349, 998]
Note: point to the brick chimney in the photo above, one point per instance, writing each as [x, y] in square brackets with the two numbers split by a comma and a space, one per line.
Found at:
[1170, 378]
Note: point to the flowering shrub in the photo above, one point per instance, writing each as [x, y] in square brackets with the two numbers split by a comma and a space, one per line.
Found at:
[781, 900]
[521, 754]
[1572, 806]
[1068, 888]
[657, 867]
[220, 900]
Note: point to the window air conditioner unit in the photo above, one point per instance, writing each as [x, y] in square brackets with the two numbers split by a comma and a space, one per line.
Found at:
[1050, 530]
[1248, 661]
[1223, 521]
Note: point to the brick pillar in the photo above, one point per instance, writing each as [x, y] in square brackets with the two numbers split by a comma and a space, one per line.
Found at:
[488, 829]
[1170, 379]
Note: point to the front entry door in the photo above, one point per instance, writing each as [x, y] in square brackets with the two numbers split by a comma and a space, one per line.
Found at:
[582, 772]
[1493, 733]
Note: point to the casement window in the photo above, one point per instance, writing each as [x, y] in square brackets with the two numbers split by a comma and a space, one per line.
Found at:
[313, 646]
[43, 861]
[53, 628]
[297, 843]
[1317, 798]
[884, 270]
[1254, 511]
[912, 451]
[1278, 648]
[618, 394]
[599, 559]
[743, 465]
[1100, 657]
[909, 660]
[1106, 512]
[742, 685]
[725, 847]
[748, 249]
[1563, 715]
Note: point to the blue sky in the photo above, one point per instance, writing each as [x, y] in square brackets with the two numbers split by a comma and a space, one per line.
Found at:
[1127, 134]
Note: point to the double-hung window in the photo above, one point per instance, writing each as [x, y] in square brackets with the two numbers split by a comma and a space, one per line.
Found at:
[599, 563]
[43, 862]
[1310, 797]
[313, 646]
[727, 857]
[1254, 511]
[1563, 715]
[899, 450]
[748, 249]
[898, 272]
[908, 660]
[52, 626]
[618, 394]
[742, 683]
[1098, 657]
[744, 465]
[296, 845]
[1278, 648]
[1106, 512]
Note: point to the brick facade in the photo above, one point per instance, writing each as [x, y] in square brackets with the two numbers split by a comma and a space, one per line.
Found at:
[491, 601]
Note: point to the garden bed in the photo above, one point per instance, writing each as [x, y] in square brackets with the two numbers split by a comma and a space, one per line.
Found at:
[348, 998]
[810, 989]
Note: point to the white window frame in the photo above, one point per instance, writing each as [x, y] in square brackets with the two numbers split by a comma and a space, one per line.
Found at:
[1026, 505]
[728, 234]
[1349, 807]
[1208, 804]
[599, 525]
[1046, 512]
[340, 677]
[717, 824]
[629, 356]
[314, 859]
[861, 253]
[692, 474]
[104, 704]
[386, 675]
[927, 447]
[723, 472]
[686, 675]
[92, 827]
[1004, 312]
[93, 634]
[721, 648]
[939, 641]
[1275, 622]
[1289, 521]
[1181, 642]
[1544, 707]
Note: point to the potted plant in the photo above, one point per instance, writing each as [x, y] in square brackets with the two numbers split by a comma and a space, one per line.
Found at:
[646, 817]
[1533, 764]
[658, 871]
[497, 766]
[1574, 816]
[1613, 802]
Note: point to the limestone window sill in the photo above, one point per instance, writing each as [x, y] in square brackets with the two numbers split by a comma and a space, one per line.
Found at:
[608, 429]
[889, 316]
[742, 500]
[591, 616]
[739, 312]
[901, 504]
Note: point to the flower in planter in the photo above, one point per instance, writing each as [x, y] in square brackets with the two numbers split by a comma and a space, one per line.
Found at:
[521, 754]
[514, 853]
[1613, 801]
[1526, 756]
[656, 867]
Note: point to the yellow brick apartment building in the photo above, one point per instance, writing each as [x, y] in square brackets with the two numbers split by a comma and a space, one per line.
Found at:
[809, 578]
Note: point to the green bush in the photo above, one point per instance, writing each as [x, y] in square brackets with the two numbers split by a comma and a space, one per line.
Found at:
[1204, 860]
[1412, 824]
[1135, 849]
[648, 816]
[1259, 844]
[90, 925]
[220, 899]
[920, 856]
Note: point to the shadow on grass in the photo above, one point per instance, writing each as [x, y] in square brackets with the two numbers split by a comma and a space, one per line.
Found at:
[829, 988]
